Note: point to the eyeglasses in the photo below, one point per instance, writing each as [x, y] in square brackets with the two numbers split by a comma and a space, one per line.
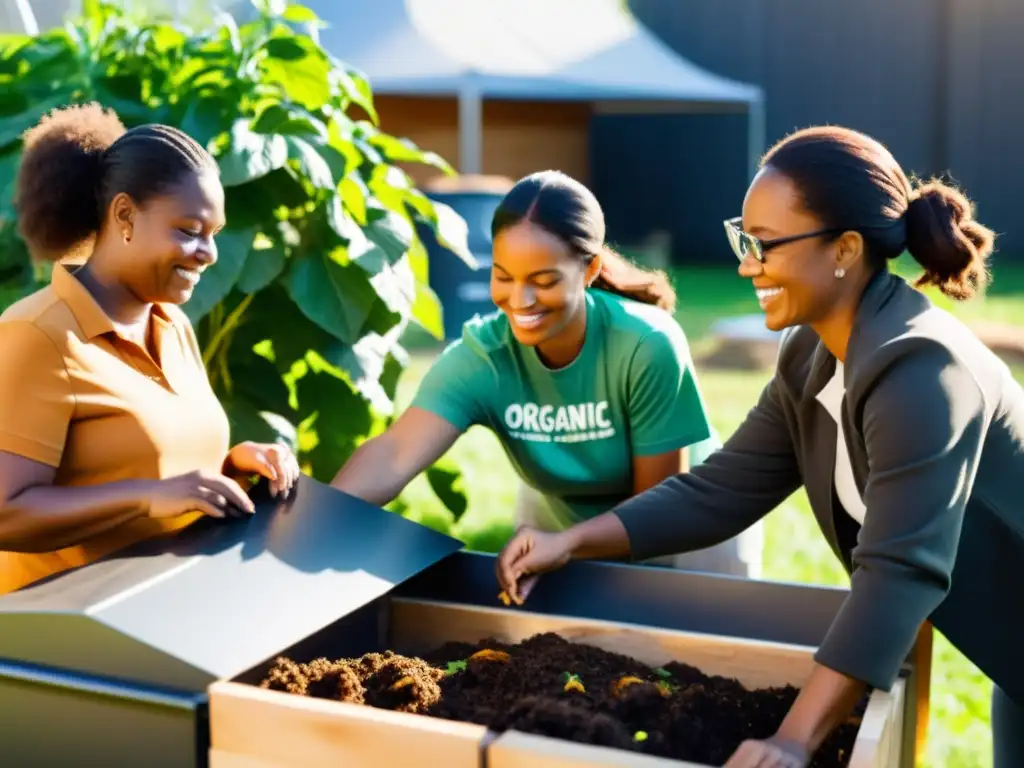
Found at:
[744, 244]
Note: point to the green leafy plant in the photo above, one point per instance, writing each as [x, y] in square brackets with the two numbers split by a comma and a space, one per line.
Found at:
[572, 682]
[321, 267]
[454, 667]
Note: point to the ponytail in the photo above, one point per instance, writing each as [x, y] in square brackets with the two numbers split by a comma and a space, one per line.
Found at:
[945, 239]
[59, 174]
[624, 278]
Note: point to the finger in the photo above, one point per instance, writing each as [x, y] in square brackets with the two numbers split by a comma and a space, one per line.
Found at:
[514, 565]
[507, 563]
[221, 503]
[270, 467]
[211, 497]
[289, 468]
[526, 586]
[208, 509]
[745, 753]
[772, 758]
[279, 483]
[231, 491]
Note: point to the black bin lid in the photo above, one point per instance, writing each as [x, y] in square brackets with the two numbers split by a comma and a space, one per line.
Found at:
[220, 596]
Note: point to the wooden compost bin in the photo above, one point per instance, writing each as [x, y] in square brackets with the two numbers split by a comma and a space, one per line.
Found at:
[255, 728]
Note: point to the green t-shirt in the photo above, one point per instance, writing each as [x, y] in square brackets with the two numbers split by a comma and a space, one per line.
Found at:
[572, 433]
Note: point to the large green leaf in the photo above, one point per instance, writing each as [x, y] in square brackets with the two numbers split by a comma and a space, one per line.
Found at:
[338, 414]
[336, 297]
[314, 166]
[9, 162]
[300, 14]
[446, 482]
[247, 422]
[297, 65]
[359, 248]
[206, 117]
[251, 155]
[453, 233]
[254, 378]
[353, 194]
[356, 88]
[399, 150]
[396, 286]
[12, 127]
[256, 203]
[391, 231]
[262, 266]
[427, 311]
[288, 120]
[368, 363]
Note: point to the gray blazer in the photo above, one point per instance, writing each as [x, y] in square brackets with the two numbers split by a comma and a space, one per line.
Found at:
[934, 424]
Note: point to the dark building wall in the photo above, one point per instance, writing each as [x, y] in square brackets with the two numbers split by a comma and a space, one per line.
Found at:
[678, 174]
[986, 113]
[937, 80]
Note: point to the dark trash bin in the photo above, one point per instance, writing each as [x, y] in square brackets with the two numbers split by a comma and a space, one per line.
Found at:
[462, 290]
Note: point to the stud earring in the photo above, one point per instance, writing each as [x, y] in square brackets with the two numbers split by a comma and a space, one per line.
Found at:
[840, 273]
[126, 236]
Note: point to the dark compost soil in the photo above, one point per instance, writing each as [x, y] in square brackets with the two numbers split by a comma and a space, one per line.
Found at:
[549, 686]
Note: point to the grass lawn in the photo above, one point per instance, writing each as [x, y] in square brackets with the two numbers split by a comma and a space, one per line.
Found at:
[794, 549]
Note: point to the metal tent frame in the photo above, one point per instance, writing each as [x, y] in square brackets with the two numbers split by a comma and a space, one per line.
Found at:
[557, 50]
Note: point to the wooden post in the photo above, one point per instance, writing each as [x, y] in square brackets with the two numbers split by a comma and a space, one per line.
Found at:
[922, 690]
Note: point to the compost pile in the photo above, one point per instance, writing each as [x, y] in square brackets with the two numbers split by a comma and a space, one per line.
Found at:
[549, 686]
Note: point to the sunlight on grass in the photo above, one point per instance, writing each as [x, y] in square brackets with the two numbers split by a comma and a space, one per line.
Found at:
[794, 550]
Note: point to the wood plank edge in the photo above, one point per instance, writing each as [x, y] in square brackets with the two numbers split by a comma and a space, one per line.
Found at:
[513, 748]
[875, 728]
[230, 691]
[606, 626]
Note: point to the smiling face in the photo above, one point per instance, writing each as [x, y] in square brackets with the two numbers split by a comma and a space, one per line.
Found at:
[539, 284]
[171, 241]
[796, 284]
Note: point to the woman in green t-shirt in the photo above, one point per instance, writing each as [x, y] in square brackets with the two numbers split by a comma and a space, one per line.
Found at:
[582, 373]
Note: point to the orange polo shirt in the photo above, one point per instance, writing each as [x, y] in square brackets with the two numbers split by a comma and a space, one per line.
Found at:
[77, 396]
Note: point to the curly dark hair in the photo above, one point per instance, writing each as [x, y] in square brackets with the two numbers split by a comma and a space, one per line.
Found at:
[76, 159]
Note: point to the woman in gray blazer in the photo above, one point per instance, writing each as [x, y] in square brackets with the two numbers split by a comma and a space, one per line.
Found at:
[905, 430]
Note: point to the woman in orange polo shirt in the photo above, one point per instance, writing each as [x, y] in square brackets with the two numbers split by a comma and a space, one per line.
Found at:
[109, 430]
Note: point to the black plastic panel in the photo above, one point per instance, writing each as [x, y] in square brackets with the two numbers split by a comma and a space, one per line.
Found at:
[640, 594]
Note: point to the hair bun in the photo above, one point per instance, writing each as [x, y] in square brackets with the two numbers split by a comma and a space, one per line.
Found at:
[944, 238]
[60, 170]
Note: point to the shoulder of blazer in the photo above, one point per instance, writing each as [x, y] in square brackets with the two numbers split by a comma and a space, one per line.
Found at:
[896, 320]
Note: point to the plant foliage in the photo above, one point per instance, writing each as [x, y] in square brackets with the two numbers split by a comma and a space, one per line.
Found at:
[320, 268]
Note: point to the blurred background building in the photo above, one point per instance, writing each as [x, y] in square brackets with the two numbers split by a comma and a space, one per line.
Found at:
[658, 107]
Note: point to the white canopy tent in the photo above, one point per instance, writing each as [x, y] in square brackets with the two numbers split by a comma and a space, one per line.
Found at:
[559, 50]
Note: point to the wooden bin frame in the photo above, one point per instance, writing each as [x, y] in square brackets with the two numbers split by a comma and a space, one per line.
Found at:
[254, 728]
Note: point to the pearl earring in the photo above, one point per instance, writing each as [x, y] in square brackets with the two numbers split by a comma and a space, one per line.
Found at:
[840, 273]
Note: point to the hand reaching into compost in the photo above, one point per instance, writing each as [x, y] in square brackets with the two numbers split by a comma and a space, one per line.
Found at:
[527, 555]
[270, 460]
[771, 753]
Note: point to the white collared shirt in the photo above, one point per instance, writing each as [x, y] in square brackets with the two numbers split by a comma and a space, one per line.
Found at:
[831, 398]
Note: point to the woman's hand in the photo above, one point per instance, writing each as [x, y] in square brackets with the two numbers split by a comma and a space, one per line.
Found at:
[527, 555]
[212, 494]
[270, 460]
[770, 753]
